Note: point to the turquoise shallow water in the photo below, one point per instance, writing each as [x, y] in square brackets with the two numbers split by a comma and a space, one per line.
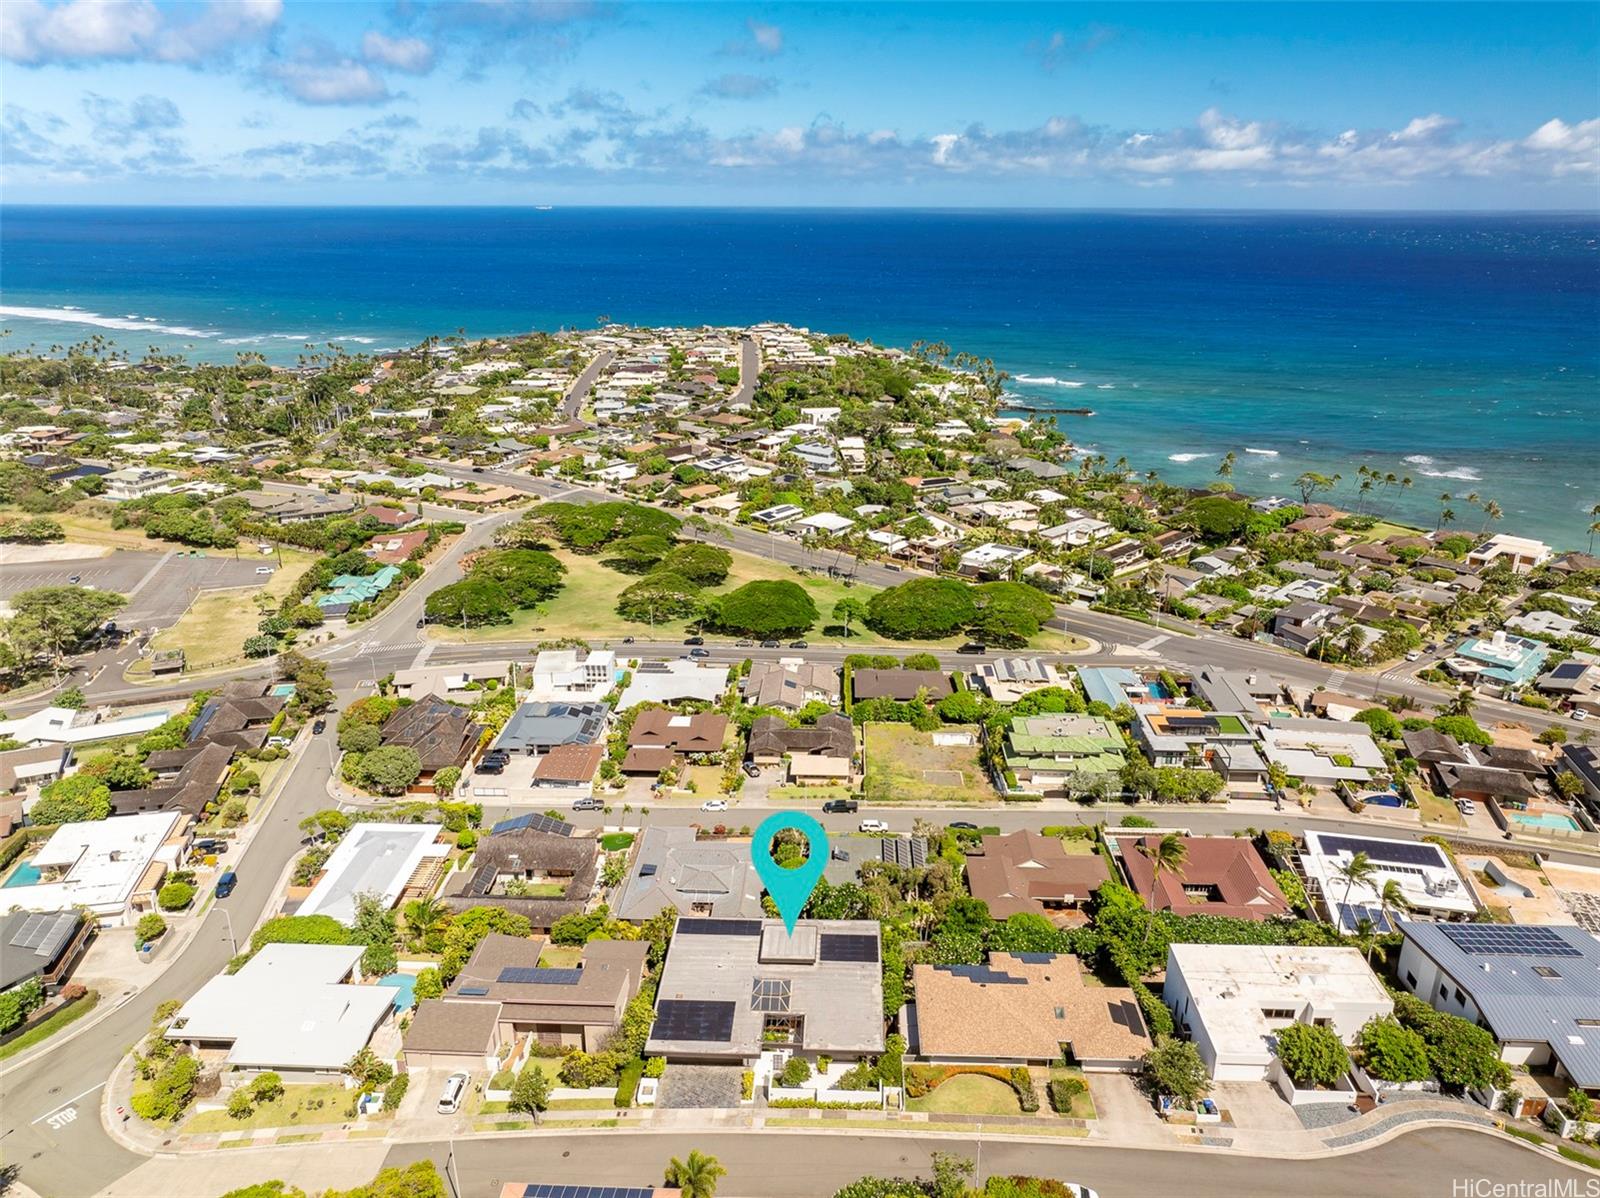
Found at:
[1545, 819]
[1461, 351]
[23, 875]
[404, 986]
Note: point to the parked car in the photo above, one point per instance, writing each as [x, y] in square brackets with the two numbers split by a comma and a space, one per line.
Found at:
[494, 763]
[1580, 715]
[849, 806]
[752, 770]
[263, 569]
[745, 644]
[422, 622]
[318, 728]
[75, 579]
[872, 825]
[973, 647]
[589, 804]
[1466, 807]
[454, 1087]
[1414, 655]
[799, 645]
[714, 805]
[226, 883]
[278, 742]
[627, 640]
[963, 823]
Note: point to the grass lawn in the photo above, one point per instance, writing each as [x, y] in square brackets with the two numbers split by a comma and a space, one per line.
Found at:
[586, 609]
[968, 1094]
[83, 528]
[615, 842]
[213, 629]
[804, 794]
[51, 1025]
[295, 1108]
[543, 890]
[1082, 1104]
[905, 766]
[1074, 846]
[1436, 810]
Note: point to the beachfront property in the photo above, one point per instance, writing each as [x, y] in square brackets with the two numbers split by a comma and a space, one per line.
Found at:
[1534, 987]
[1523, 554]
[1024, 1009]
[733, 989]
[1221, 875]
[110, 868]
[672, 869]
[1007, 679]
[292, 1009]
[1230, 1000]
[389, 862]
[1029, 872]
[1062, 754]
[1432, 886]
[1500, 661]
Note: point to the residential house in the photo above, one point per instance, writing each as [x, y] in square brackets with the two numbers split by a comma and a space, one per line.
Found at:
[1523, 553]
[1303, 626]
[1220, 875]
[392, 863]
[573, 675]
[536, 728]
[42, 945]
[732, 989]
[1323, 752]
[1429, 882]
[138, 482]
[239, 716]
[1025, 1009]
[186, 780]
[1029, 872]
[460, 683]
[993, 561]
[1500, 660]
[790, 684]
[441, 733]
[677, 681]
[1063, 754]
[1007, 679]
[672, 868]
[348, 590]
[1231, 1000]
[660, 738]
[538, 874]
[1533, 987]
[902, 686]
[110, 869]
[569, 769]
[823, 752]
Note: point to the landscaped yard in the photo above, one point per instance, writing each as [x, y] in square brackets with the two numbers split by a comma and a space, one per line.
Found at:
[1435, 809]
[50, 1026]
[586, 608]
[542, 890]
[614, 842]
[905, 766]
[213, 630]
[1082, 1104]
[968, 1094]
[299, 1105]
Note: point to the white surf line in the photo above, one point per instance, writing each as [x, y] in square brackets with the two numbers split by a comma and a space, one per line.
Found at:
[68, 1103]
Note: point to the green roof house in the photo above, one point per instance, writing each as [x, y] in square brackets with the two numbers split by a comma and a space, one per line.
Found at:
[1062, 754]
[347, 590]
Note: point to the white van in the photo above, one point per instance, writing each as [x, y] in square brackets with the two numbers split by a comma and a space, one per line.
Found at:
[454, 1087]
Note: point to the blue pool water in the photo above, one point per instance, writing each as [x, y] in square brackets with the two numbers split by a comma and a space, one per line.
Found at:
[23, 875]
[284, 690]
[404, 986]
[1546, 819]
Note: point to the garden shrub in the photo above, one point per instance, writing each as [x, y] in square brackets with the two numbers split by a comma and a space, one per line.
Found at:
[628, 1082]
[1063, 1090]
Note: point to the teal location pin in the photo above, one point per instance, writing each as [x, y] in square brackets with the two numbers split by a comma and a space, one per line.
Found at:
[790, 888]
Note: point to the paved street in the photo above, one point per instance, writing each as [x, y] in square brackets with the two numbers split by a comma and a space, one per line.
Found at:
[572, 402]
[51, 1102]
[775, 1163]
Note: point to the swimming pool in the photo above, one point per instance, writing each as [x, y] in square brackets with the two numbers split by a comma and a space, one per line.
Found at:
[23, 875]
[404, 986]
[1546, 819]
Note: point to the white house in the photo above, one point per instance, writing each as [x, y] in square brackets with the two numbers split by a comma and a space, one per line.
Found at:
[375, 859]
[781, 513]
[992, 559]
[112, 868]
[1233, 999]
[826, 522]
[1431, 885]
[137, 482]
[1323, 752]
[674, 682]
[573, 674]
[1523, 553]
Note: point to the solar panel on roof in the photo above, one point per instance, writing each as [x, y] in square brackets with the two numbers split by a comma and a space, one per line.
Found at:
[647, 871]
[1351, 915]
[1383, 852]
[689, 1019]
[1569, 669]
[535, 821]
[839, 946]
[1035, 958]
[474, 991]
[525, 976]
[1508, 940]
[718, 927]
[545, 1190]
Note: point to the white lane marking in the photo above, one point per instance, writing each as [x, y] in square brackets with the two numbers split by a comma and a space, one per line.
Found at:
[1153, 642]
[63, 1109]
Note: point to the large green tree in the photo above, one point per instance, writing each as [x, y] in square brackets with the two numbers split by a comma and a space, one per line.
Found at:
[766, 608]
[79, 799]
[1010, 613]
[472, 602]
[659, 596]
[922, 609]
[704, 564]
[52, 622]
[528, 576]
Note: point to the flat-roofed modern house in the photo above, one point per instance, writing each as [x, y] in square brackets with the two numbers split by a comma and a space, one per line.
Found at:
[1323, 752]
[1024, 1009]
[1033, 873]
[390, 861]
[732, 989]
[1007, 679]
[292, 1009]
[536, 728]
[671, 869]
[1523, 553]
[1433, 887]
[1536, 988]
[1221, 875]
[1231, 1000]
[674, 682]
[110, 868]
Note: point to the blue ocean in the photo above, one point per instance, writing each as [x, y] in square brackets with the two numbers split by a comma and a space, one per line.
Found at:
[1461, 351]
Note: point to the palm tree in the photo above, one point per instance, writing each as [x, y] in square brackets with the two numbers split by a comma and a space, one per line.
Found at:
[423, 916]
[1278, 779]
[1462, 703]
[1444, 506]
[1492, 511]
[1225, 467]
[1167, 855]
[696, 1177]
[1390, 898]
[1358, 869]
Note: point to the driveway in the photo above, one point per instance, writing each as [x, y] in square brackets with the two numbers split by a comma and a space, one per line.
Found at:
[700, 1086]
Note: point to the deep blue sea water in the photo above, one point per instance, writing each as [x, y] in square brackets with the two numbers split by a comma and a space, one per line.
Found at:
[1463, 351]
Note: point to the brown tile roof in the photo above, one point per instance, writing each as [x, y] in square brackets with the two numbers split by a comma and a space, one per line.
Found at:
[440, 1025]
[958, 1014]
[647, 759]
[900, 685]
[441, 733]
[569, 763]
[656, 727]
[1023, 871]
[1239, 883]
[833, 735]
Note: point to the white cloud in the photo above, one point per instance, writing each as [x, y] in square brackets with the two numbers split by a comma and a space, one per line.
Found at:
[739, 87]
[409, 54]
[334, 81]
[81, 31]
[763, 40]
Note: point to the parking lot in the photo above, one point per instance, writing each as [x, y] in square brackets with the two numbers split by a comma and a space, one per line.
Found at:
[160, 586]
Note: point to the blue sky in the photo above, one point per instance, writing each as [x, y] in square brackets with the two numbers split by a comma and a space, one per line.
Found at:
[564, 101]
